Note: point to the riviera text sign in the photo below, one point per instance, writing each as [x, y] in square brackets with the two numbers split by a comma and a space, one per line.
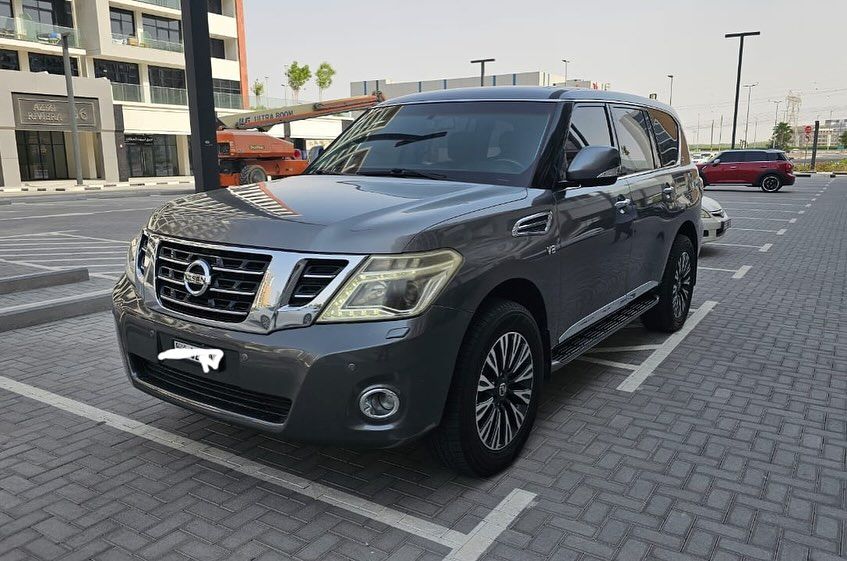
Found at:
[51, 113]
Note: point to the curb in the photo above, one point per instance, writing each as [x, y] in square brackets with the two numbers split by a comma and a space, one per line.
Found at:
[27, 315]
[46, 279]
[91, 187]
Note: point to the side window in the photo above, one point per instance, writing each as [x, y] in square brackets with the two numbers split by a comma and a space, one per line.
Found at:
[755, 156]
[667, 136]
[634, 140]
[589, 127]
[728, 157]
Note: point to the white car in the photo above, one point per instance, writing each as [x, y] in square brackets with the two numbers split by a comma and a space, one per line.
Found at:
[702, 157]
[715, 222]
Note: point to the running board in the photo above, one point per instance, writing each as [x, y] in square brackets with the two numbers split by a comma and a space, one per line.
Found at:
[593, 334]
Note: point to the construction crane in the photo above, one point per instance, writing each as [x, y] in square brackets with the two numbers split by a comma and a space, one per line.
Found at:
[247, 154]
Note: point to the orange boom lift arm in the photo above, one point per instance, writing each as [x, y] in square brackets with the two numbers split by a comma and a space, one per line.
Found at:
[249, 156]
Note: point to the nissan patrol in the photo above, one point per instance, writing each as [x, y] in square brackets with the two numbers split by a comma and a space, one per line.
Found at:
[424, 275]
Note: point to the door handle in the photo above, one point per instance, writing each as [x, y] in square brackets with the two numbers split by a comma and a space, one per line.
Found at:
[622, 204]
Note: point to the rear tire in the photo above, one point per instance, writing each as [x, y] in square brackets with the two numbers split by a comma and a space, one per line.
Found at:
[495, 391]
[252, 174]
[676, 289]
[771, 183]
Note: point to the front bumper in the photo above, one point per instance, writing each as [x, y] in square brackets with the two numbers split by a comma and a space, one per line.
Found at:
[302, 383]
[714, 228]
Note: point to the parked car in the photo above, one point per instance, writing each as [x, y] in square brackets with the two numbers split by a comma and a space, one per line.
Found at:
[425, 275]
[701, 157]
[714, 219]
[767, 169]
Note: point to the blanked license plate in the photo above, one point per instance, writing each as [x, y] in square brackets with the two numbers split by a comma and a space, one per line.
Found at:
[181, 345]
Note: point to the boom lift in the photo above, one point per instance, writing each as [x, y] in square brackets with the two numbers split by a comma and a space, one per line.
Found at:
[249, 156]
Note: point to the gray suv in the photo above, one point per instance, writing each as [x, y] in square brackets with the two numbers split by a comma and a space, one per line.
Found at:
[425, 275]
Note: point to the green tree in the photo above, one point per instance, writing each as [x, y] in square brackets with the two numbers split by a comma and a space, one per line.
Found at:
[258, 89]
[843, 139]
[781, 137]
[297, 77]
[323, 77]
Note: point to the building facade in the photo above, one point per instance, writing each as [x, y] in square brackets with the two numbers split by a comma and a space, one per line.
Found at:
[537, 78]
[131, 99]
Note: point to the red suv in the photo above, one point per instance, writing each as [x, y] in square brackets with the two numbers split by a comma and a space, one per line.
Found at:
[768, 169]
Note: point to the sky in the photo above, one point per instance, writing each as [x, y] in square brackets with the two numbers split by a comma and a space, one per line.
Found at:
[633, 45]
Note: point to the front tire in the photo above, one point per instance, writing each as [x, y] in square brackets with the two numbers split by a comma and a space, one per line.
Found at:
[771, 183]
[495, 391]
[676, 289]
[252, 174]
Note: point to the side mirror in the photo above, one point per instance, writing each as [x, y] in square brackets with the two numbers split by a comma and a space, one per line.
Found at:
[595, 165]
[315, 152]
[716, 161]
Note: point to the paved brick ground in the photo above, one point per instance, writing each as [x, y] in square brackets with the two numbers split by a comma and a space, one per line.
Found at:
[734, 449]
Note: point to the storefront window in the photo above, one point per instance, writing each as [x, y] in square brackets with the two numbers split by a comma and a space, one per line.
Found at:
[52, 64]
[9, 60]
[152, 155]
[41, 155]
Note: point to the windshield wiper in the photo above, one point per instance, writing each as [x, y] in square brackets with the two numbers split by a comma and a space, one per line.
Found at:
[402, 172]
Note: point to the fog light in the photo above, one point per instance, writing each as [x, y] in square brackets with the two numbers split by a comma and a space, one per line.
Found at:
[379, 403]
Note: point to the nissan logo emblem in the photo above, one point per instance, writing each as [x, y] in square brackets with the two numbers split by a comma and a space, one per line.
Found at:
[197, 277]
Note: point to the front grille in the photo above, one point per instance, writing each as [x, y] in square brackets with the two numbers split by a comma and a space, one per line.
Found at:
[201, 389]
[316, 276]
[236, 277]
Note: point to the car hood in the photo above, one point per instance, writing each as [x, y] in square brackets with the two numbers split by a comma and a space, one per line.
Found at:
[710, 205]
[326, 214]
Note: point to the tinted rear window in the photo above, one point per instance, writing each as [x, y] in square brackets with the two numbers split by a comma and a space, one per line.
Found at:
[667, 137]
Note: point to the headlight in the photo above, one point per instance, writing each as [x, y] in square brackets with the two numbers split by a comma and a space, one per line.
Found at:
[393, 286]
[704, 213]
[136, 257]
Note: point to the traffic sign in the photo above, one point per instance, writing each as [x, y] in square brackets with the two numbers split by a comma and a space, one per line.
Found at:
[808, 129]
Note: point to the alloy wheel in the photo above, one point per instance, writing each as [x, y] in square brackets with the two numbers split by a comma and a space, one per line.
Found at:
[682, 284]
[770, 183]
[504, 390]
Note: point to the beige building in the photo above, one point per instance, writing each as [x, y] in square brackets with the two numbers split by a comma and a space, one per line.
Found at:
[131, 99]
[537, 78]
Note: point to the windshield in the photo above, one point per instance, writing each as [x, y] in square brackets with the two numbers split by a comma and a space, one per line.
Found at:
[479, 142]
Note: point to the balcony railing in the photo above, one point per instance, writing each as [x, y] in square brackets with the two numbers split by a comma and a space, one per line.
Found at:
[175, 4]
[126, 92]
[170, 96]
[225, 100]
[145, 40]
[28, 30]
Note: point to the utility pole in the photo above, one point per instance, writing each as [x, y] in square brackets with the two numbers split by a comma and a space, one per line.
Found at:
[720, 134]
[712, 137]
[670, 97]
[566, 61]
[775, 119]
[201, 101]
[55, 37]
[481, 62]
[815, 145]
[741, 36]
[747, 124]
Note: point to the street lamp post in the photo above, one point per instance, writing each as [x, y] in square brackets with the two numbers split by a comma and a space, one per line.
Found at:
[670, 98]
[566, 61]
[56, 37]
[747, 123]
[481, 62]
[741, 36]
[775, 121]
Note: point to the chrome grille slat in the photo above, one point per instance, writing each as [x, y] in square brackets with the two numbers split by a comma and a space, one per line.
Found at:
[236, 277]
[314, 278]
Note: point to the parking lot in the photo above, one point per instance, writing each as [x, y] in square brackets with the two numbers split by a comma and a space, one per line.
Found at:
[725, 441]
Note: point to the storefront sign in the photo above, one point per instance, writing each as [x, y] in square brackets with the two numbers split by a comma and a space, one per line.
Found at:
[138, 139]
[41, 112]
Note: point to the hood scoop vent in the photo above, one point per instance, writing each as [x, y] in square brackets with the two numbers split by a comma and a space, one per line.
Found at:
[533, 225]
[315, 277]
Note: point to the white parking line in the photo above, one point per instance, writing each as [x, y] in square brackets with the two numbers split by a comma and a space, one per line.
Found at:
[765, 247]
[766, 210]
[16, 253]
[66, 214]
[90, 237]
[464, 547]
[738, 273]
[761, 203]
[759, 247]
[646, 368]
[781, 231]
[119, 258]
[790, 221]
[756, 230]
[103, 275]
